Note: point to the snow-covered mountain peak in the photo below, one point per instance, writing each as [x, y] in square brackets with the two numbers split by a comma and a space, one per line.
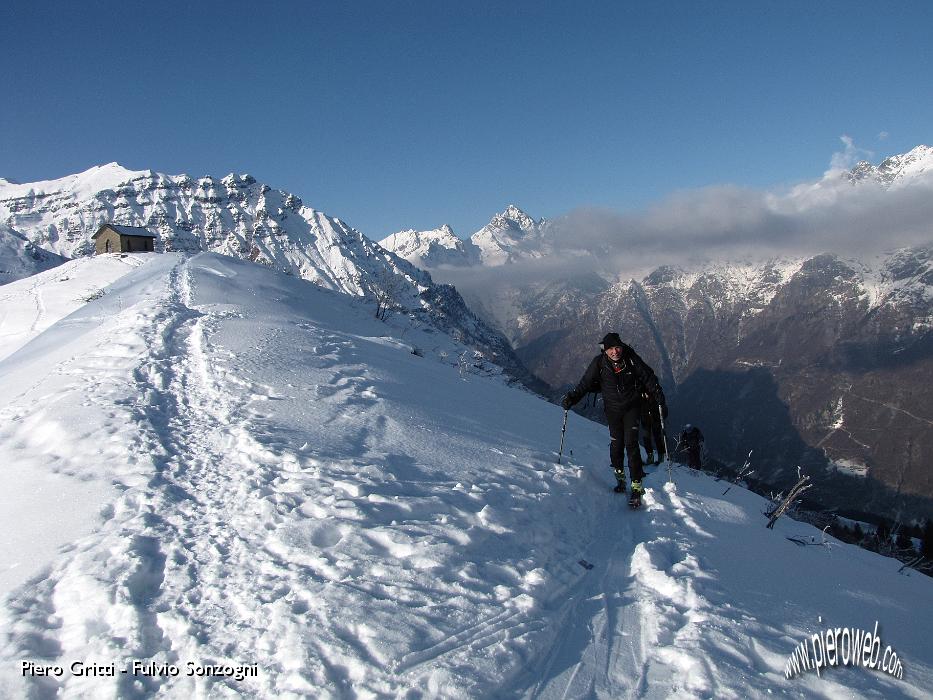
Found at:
[510, 235]
[241, 180]
[917, 162]
[431, 249]
[895, 170]
[514, 219]
[862, 170]
[77, 186]
[402, 241]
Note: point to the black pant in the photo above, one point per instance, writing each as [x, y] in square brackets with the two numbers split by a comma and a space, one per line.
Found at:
[623, 432]
[693, 456]
[652, 436]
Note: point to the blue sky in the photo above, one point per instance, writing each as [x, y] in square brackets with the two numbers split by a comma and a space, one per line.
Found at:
[392, 115]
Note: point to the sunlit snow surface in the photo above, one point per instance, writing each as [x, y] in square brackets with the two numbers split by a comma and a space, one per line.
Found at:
[81, 185]
[30, 306]
[257, 471]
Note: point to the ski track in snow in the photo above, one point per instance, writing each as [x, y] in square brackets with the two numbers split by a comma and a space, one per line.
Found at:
[283, 503]
[650, 620]
[623, 631]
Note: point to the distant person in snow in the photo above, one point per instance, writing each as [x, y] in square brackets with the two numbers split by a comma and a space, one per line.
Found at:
[691, 441]
[622, 377]
[652, 432]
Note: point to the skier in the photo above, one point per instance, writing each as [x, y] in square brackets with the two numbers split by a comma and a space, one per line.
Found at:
[622, 377]
[652, 435]
[691, 440]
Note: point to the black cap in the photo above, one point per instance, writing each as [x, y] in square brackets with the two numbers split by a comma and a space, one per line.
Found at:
[612, 340]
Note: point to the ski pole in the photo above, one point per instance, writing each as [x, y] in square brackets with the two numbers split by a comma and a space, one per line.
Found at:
[562, 431]
[664, 438]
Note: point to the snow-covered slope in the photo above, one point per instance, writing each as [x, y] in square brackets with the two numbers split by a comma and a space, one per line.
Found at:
[30, 306]
[20, 258]
[262, 474]
[431, 249]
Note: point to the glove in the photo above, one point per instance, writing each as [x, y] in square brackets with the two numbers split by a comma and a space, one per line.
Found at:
[566, 403]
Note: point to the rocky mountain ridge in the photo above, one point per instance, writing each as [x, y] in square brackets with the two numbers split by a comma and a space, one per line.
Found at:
[895, 170]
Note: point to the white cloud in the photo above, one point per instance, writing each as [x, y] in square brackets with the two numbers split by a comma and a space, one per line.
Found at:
[849, 156]
[715, 223]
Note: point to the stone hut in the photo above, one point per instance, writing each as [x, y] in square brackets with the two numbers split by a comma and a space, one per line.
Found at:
[117, 238]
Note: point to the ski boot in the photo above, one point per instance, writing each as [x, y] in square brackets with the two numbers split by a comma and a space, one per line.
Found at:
[638, 490]
[620, 481]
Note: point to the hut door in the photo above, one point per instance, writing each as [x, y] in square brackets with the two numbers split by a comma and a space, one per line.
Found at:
[108, 246]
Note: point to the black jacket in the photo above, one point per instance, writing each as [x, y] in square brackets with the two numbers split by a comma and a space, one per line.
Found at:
[691, 439]
[621, 383]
